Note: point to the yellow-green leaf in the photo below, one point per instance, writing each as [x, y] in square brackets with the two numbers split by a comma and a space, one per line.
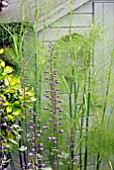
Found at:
[8, 69]
[6, 103]
[33, 99]
[6, 82]
[16, 102]
[10, 117]
[1, 51]
[2, 63]
[9, 109]
[17, 113]
[30, 93]
[14, 81]
[10, 91]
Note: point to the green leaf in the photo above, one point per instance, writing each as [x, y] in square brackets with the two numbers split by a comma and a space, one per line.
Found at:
[78, 145]
[13, 141]
[66, 84]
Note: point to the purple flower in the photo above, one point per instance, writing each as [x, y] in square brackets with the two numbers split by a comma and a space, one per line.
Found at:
[31, 111]
[29, 164]
[49, 104]
[40, 144]
[4, 124]
[47, 91]
[46, 78]
[50, 120]
[38, 120]
[54, 116]
[40, 131]
[41, 165]
[2, 87]
[55, 124]
[60, 110]
[53, 138]
[51, 83]
[59, 101]
[45, 127]
[1, 81]
[33, 144]
[55, 142]
[5, 118]
[38, 135]
[60, 123]
[45, 108]
[49, 138]
[30, 154]
[56, 82]
[4, 141]
[38, 156]
[61, 131]
[30, 127]
[10, 128]
[28, 140]
[33, 138]
[7, 147]
[3, 159]
[54, 72]
[33, 149]
[30, 121]
[41, 149]
[47, 96]
[4, 101]
[60, 117]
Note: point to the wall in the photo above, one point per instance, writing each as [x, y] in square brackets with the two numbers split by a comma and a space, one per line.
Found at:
[80, 21]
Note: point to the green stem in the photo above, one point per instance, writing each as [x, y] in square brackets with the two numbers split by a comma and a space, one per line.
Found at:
[87, 122]
[82, 120]
[107, 89]
[76, 88]
[20, 141]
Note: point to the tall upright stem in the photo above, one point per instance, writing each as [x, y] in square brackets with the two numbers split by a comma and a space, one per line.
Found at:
[82, 121]
[87, 121]
[53, 95]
